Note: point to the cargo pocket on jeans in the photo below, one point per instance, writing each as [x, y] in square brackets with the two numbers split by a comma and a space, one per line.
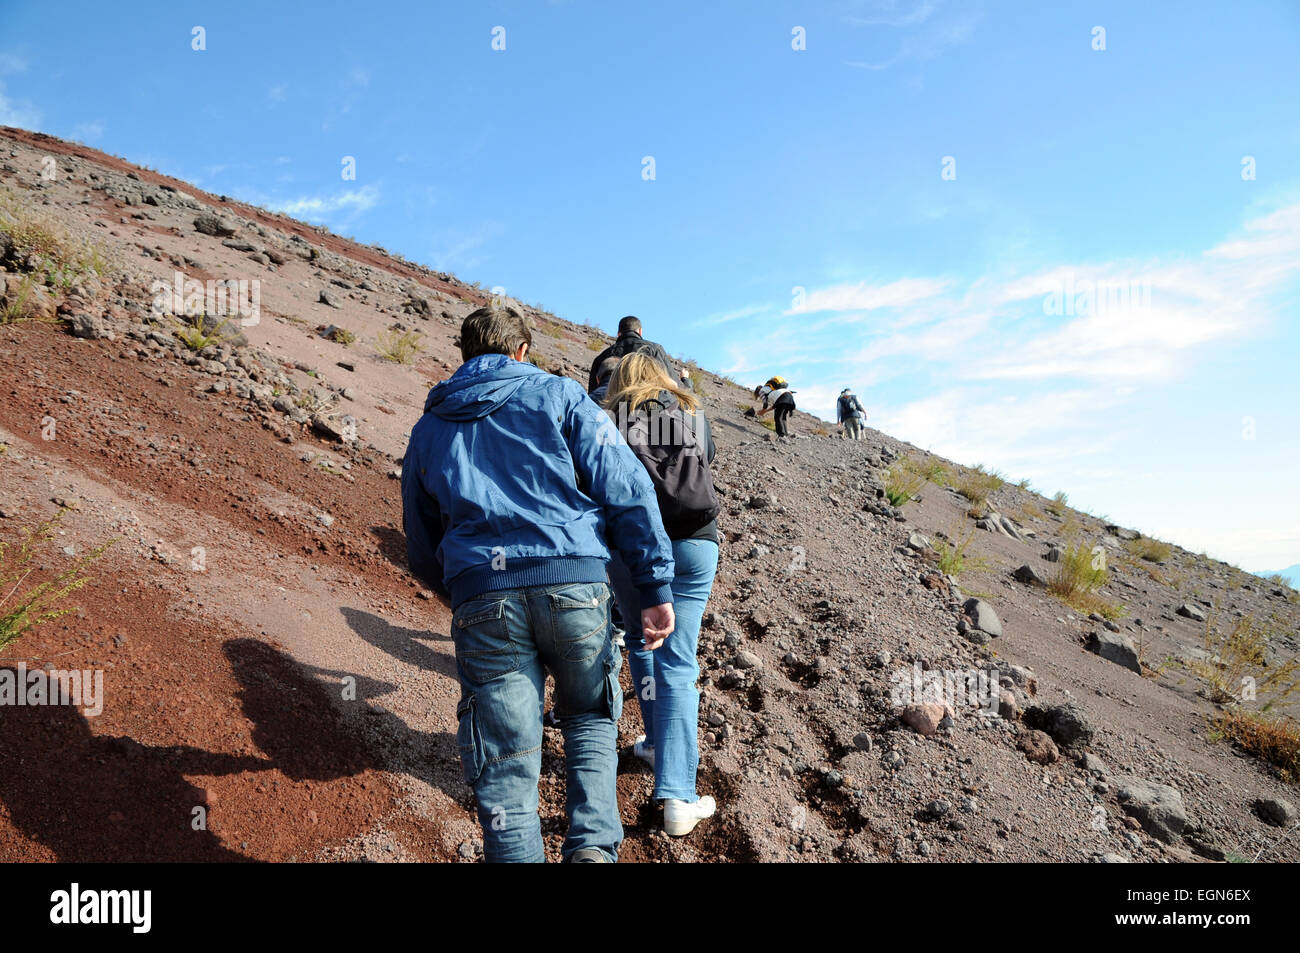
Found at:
[613, 690]
[468, 740]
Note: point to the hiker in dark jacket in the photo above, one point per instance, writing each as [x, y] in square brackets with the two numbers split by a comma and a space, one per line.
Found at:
[511, 481]
[661, 422]
[850, 412]
[629, 341]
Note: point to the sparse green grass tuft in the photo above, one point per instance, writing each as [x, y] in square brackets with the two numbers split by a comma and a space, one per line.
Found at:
[1282, 582]
[17, 305]
[400, 347]
[1059, 503]
[58, 258]
[902, 482]
[932, 470]
[596, 344]
[340, 336]
[20, 612]
[1238, 668]
[978, 484]
[1029, 511]
[1152, 550]
[198, 331]
[952, 555]
[1275, 740]
[1079, 573]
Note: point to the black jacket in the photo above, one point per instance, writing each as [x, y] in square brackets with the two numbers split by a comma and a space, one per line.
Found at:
[627, 343]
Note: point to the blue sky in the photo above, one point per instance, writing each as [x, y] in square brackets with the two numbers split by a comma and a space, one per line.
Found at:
[798, 220]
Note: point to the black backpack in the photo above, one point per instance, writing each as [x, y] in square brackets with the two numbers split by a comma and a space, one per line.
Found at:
[664, 439]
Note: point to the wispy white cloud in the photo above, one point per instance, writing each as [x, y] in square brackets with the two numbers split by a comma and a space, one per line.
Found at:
[91, 131]
[736, 314]
[866, 296]
[319, 206]
[892, 13]
[927, 29]
[18, 112]
[461, 250]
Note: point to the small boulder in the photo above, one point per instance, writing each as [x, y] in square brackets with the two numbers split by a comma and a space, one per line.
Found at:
[1030, 576]
[1189, 611]
[1067, 724]
[925, 719]
[89, 327]
[1115, 647]
[1008, 708]
[983, 617]
[1010, 528]
[1093, 765]
[211, 224]
[1157, 807]
[328, 427]
[1277, 811]
[1039, 747]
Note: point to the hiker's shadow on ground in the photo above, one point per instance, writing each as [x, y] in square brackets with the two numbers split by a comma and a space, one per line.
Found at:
[92, 798]
[88, 797]
[313, 726]
[405, 645]
[294, 718]
[392, 543]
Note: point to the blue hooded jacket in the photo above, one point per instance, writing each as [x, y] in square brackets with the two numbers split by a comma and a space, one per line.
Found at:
[514, 477]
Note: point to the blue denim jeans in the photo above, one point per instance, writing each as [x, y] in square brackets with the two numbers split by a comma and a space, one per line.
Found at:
[506, 642]
[665, 678]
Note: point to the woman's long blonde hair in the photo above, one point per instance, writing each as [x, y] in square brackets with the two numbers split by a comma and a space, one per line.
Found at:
[639, 379]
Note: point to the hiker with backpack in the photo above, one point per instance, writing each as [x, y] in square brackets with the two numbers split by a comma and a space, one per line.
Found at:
[850, 412]
[662, 424]
[510, 484]
[629, 341]
[778, 400]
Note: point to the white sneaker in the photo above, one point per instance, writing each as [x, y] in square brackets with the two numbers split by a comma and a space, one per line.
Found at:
[644, 751]
[680, 817]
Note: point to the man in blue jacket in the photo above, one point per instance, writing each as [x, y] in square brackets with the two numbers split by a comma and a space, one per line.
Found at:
[512, 481]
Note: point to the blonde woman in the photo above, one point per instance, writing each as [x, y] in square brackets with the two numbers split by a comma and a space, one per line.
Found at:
[662, 424]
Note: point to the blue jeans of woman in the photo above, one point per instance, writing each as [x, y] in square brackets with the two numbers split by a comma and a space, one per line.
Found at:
[665, 678]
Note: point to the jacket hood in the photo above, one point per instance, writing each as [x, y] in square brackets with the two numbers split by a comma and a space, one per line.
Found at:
[479, 386]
